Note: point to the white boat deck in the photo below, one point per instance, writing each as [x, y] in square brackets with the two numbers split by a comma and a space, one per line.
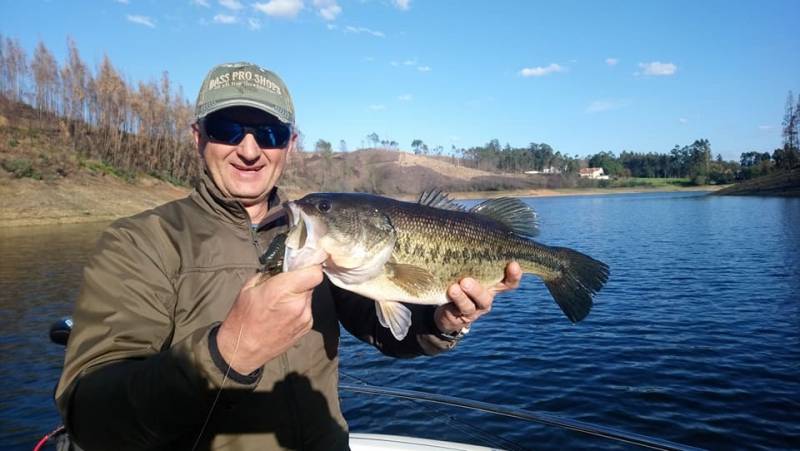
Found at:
[380, 442]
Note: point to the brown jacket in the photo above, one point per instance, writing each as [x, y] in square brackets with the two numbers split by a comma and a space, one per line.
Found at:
[142, 370]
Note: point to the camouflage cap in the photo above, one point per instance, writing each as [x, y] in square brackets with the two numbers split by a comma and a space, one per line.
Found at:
[244, 84]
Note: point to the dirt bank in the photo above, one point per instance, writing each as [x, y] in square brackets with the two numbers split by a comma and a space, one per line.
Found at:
[28, 202]
[90, 198]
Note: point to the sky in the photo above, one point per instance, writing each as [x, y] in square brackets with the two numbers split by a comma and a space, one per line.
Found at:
[581, 76]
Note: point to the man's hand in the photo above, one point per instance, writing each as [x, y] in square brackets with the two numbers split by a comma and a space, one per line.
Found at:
[470, 300]
[268, 317]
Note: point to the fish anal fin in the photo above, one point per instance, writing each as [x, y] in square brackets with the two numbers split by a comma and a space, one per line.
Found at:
[394, 316]
[511, 212]
[413, 279]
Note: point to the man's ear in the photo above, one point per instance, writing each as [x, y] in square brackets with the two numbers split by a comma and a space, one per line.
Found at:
[199, 142]
[292, 143]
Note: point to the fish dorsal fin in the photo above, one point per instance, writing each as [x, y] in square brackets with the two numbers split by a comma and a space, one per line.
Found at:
[511, 212]
[413, 279]
[438, 199]
[395, 317]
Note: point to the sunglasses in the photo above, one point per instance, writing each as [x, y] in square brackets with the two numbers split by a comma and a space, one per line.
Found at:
[228, 131]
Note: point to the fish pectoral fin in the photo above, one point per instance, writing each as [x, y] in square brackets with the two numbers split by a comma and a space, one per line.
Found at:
[413, 279]
[394, 316]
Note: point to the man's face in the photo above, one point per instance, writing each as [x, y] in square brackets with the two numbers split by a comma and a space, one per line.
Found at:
[243, 171]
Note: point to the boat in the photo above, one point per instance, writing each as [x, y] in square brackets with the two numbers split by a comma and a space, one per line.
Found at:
[360, 441]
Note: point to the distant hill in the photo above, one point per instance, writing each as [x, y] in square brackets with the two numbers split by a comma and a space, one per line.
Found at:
[786, 183]
[396, 173]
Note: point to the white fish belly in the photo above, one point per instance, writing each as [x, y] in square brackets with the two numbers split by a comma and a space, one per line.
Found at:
[382, 289]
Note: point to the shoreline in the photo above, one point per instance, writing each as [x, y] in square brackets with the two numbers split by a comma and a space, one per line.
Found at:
[30, 203]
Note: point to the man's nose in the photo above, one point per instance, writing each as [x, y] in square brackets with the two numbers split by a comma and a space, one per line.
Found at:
[248, 148]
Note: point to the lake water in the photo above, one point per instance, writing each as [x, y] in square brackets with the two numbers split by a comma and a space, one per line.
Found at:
[695, 339]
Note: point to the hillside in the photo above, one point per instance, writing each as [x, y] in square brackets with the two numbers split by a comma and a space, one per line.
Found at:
[44, 179]
[400, 173]
[785, 183]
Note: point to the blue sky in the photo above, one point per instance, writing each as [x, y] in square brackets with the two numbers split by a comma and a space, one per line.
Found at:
[582, 76]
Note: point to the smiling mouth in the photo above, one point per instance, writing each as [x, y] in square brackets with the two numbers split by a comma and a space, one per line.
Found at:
[247, 168]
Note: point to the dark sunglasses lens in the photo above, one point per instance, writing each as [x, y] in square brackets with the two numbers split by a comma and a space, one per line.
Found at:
[273, 136]
[224, 130]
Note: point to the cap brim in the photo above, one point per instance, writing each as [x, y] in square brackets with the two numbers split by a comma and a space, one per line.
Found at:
[244, 102]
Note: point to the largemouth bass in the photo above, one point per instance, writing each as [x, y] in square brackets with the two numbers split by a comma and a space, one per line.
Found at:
[392, 251]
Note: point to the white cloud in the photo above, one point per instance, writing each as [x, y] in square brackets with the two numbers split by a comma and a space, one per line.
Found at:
[254, 24]
[203, 3]
[599, 106]
[402, 4]
[225, 19]
[424, 68]
[541, 71]
[658, 68]
[357, 30]
[612, 61]
[410, 62]
[404, 97]
[142, 20]
[233, 5]
[377, 107]
[124, 2]
[766, 127]
[280, 8]
[328, 9]
[395, 63]
[683, 120]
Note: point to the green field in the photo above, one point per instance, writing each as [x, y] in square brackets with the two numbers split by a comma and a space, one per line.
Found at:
[633, 182]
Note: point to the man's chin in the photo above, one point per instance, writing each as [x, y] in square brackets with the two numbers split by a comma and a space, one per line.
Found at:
[248, 199]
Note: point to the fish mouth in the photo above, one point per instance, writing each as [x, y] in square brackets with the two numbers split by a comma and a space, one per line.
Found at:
[303, 238]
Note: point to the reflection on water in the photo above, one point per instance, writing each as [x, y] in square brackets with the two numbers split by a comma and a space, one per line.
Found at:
[40, 274]
[696, 337]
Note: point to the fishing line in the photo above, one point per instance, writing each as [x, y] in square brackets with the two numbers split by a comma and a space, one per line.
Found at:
[454, 422]
[219, 392]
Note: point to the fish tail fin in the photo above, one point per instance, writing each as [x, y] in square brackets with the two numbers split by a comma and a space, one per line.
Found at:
[579, 277]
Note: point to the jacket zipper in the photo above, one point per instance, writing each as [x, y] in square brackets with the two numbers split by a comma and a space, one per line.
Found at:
[254, 239]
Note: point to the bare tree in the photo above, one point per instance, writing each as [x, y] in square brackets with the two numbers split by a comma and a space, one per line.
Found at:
[15, 69]
[74, 84]
[791, 123]
[45, 76]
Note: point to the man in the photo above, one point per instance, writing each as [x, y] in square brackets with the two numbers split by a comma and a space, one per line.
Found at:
[179, 344]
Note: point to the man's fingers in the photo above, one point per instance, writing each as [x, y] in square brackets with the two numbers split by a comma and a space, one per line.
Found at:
[513, 275]
[461, 300]
[300, 280]
[480, 297]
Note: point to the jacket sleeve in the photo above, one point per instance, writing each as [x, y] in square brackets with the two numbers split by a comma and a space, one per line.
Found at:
[125, 384]
[357, 314]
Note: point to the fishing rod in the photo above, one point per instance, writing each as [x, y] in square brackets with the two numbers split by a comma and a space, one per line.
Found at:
[542, 418]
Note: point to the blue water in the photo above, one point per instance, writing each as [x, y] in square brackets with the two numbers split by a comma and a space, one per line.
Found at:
[695, 339]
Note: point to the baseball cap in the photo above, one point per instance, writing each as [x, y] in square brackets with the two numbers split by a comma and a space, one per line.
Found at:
[244, 84]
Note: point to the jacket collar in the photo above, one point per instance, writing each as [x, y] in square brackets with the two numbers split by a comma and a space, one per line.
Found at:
[210, 198]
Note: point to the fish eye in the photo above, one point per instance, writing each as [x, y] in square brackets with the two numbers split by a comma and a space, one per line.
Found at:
[324, 206]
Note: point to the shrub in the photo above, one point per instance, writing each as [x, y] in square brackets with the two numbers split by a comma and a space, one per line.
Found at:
[21, 167]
